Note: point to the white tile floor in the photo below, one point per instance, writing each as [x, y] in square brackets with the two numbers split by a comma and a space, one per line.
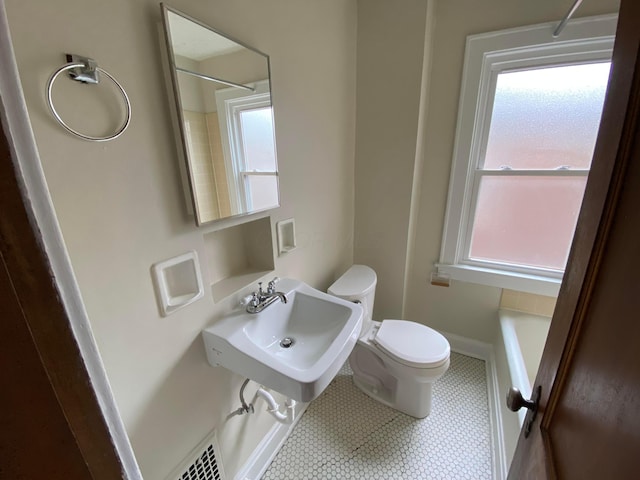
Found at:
[344, 434]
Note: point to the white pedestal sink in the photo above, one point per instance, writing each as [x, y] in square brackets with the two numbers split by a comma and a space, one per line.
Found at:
[295, 348]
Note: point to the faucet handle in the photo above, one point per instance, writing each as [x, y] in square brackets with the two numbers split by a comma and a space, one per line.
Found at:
[244, 301]
[255, 301]
[271, 287]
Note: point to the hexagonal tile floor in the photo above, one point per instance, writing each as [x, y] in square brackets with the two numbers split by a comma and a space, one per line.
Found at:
[344, 434]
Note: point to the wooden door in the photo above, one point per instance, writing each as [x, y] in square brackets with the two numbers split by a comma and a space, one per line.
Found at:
[36, 441]
[588, 423]
[51, 423]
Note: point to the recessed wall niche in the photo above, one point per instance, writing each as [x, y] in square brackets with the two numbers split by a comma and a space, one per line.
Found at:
[238, 256]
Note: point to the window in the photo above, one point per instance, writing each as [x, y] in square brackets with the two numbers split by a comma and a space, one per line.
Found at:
[249, 146]
[257, 155]
[527, 123]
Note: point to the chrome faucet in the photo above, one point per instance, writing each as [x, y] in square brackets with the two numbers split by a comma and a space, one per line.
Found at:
[261, 299]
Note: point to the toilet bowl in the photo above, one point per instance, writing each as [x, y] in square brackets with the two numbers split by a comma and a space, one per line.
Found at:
[395, 362]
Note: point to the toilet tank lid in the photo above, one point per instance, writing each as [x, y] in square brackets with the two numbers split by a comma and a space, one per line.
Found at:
[358, 280]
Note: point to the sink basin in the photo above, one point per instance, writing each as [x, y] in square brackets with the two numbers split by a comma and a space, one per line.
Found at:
[295, 348]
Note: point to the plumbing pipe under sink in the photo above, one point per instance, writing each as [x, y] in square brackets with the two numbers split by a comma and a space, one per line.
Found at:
[274, 409]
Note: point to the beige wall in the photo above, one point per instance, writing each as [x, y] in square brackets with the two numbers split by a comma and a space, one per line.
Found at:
[121, 207]
[389, 61]
[391, 38]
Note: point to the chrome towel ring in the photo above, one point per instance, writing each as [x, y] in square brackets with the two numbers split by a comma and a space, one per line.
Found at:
[86, 70]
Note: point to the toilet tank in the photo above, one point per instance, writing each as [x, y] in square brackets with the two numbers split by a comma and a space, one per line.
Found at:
[357, 284]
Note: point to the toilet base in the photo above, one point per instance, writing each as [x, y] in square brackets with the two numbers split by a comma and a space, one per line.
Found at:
[420, 409]
[403, 388]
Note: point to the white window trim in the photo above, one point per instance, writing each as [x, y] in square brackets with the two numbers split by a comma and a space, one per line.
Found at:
[231, 102]
[582, 41]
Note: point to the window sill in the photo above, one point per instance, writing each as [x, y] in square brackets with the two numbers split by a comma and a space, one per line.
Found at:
[498, 278]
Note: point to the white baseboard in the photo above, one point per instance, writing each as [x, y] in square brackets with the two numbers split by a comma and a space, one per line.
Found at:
[469, 347]
[484, 351]
[257, 464]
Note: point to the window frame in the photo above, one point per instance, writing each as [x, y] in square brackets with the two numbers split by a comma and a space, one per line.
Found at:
[586, 40]
[232, 102]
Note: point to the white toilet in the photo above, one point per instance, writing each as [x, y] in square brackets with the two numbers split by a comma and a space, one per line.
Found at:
[394, 361]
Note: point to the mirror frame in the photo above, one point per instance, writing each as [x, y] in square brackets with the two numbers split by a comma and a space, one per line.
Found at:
[186, 169]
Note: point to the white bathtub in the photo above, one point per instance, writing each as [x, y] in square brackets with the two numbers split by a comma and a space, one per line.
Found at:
[524, 336]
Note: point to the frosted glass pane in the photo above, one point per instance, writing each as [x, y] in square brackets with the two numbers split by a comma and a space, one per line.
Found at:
[264, 191]
[547, 117]
[526, 220]
[257, 136]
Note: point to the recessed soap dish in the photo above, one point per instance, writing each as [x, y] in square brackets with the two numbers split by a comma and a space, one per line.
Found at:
[286, 235]
[178, 282]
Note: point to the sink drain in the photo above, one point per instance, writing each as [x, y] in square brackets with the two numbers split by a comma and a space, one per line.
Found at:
[286, 342]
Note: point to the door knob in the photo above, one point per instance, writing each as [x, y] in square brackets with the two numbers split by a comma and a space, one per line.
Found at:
[515, 402]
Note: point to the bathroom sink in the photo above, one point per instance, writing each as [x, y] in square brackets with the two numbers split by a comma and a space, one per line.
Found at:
[295, 348]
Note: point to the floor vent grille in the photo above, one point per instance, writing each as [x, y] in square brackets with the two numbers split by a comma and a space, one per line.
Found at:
[202, 464]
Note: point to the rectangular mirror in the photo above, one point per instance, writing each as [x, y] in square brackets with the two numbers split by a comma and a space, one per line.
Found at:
[225, 119]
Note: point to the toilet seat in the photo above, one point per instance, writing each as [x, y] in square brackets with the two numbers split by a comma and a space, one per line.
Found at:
[412, 344]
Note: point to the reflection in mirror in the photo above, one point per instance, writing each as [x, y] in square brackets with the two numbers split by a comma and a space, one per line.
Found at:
[225, 119]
